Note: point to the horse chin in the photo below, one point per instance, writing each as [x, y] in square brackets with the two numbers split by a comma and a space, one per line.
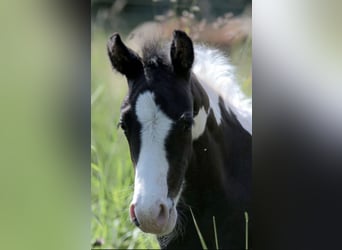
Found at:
[169, 227]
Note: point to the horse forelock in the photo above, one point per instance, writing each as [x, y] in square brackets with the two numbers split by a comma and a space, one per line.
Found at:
[155, 53]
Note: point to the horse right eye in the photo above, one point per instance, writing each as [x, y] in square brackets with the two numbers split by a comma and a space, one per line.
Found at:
[122, 125]
[187, 125]
[186, 121]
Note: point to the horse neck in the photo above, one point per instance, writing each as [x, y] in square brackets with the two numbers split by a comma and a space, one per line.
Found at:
[220, 155]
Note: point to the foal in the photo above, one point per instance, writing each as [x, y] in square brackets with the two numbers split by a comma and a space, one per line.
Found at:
[188, 127]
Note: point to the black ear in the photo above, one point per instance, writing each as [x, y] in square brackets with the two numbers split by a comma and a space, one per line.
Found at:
[182, 53]
[123, 59]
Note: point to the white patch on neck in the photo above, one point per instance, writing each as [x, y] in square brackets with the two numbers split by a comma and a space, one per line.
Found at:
[216, 75]
[150, 183]
[200, 120]
[213, 102]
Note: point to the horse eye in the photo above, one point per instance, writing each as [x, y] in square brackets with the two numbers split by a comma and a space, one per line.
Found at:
[122, 125]
[187, 125]
[186, 122]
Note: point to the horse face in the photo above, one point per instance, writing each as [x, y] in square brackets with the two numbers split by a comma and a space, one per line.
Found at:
[157, 118]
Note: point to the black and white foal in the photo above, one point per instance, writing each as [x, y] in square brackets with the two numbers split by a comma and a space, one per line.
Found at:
[188, 126]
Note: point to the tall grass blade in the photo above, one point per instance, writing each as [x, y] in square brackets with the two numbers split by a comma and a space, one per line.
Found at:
[215, 233]
[204, 246]
[246, 233]
[96, 94]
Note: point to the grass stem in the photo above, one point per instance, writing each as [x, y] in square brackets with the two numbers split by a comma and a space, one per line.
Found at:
[246, 233]
[204, 246]
[215, 233]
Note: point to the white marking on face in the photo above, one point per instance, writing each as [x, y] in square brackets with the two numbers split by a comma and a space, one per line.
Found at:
[150, 183]
[200, 120]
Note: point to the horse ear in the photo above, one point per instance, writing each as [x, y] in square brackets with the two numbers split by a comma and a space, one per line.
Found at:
[123, 59]
[182, 53]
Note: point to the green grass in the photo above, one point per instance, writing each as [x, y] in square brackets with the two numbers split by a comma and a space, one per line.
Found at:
[200, 236]
[246, 232]
[111, 169]
[215, 233]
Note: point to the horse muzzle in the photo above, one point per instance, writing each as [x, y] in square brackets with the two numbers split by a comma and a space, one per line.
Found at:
[158, 217]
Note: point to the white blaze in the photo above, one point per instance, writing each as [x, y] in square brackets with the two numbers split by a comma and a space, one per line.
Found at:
[150, 183]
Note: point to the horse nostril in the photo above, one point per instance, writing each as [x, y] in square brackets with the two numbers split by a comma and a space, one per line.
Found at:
[133, 216]
[163, 215]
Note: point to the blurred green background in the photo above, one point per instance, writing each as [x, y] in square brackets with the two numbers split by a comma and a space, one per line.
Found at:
[45, 106]
[111, 168]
